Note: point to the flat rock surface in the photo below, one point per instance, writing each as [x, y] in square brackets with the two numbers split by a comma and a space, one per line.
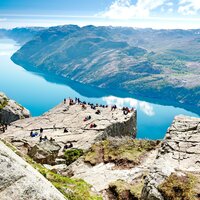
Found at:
[19, 181]
[179, 151]
[109, 123]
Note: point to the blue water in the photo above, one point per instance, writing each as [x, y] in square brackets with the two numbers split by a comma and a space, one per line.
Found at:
[39, 94]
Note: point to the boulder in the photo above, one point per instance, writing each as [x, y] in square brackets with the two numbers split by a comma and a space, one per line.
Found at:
[45, 152]
[179, 152]
[10, 110]
[20, 181]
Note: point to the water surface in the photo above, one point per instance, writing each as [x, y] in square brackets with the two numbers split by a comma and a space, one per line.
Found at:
[39, 94]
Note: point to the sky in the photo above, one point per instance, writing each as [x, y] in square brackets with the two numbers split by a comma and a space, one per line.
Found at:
[167, 14]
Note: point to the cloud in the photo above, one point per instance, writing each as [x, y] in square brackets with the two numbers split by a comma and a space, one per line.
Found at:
[145, 107]
[189, 7]
[124, 9]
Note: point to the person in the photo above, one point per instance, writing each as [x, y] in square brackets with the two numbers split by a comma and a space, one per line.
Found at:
[45, 138]
[65, 130]
[54, 127]
[98, 112]
[64, 101]
[31, 133]
[51, 139]
[41, 130]
[93, 125]
[114, 107]
[41, 138]
[83, 106]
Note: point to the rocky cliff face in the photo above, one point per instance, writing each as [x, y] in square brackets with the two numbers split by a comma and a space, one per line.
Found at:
[79, 132]
[10, 110]
[20, 181]
[178, 156]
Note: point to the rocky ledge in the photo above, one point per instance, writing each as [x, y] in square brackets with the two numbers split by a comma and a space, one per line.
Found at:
[175, 172]
[18, 180]
[69, 123]
[10, 110]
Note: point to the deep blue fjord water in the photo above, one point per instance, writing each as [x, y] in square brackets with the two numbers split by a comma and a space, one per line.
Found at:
[39, 94]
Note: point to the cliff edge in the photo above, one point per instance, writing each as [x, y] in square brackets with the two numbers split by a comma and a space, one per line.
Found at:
[176, 169]
[10, 110]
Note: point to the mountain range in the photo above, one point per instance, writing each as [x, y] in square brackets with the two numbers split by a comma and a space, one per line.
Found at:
[159, 64]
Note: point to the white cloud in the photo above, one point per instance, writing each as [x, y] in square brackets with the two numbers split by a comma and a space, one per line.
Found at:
[124, 9]
[145, 107]
[189, 7]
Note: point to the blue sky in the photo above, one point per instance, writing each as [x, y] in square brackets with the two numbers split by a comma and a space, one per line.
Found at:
[135, 13]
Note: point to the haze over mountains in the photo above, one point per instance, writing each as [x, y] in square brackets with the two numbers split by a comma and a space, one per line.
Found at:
[160, 64]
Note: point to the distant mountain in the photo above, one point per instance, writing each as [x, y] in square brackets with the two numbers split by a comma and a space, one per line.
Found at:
[160, 64]
[21, 35]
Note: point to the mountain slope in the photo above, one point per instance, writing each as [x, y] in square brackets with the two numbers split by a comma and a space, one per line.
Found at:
[162, 64]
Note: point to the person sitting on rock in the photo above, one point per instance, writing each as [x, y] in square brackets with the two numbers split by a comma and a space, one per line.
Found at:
[93, 107]
[71, 102]
[65, 130]
[87, 118]
[33, 134]
[93, 125]
[83, 106]
[68, 145]
[98, 112]
[45, 138]
[114, 107]
[52, 140]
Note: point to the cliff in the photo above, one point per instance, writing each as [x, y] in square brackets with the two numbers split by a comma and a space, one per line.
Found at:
[78, 131]
[10, 110]
[176, 169]
[20, 181]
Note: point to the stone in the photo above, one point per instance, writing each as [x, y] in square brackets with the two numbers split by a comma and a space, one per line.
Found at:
[10, 110]
[20, 181]
[179, 152]
[45, 152]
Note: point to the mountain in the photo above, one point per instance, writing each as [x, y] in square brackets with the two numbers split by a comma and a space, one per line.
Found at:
[159, 64]
[21, 35]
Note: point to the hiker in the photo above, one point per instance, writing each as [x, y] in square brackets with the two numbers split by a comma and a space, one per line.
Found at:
[52, 140]
[33, 134]
[54, 127]
[114, 107]
[64, 101]
[93, 125]
[45, 138]
[98, 112]
[65, 130]
[41, 130]
[87, 118]
[68, 145]
[71, 102]
[41, 138]
[83, 106]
